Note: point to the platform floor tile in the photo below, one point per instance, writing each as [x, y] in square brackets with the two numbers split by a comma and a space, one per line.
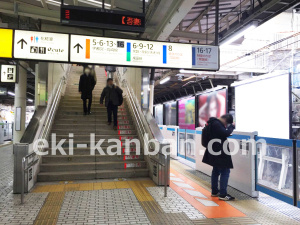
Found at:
[12, 212]
[110, 206]
[174, 203]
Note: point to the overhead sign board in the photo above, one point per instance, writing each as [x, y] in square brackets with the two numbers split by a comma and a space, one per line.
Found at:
[41, 45]
[8, 73]
[101, 50]
[6, 43]
[102, 18]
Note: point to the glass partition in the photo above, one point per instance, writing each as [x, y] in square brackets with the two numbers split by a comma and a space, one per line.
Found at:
[190, 146]
[181, 149]
[275, 166]
[298, 177]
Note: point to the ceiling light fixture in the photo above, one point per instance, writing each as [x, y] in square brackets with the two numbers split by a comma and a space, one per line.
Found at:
[239, 34]
[96, 2]
[164, 80]
[11, 93]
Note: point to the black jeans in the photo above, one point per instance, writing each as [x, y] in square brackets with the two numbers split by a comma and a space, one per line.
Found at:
[112, 109]
[85, 108]
[224, 172]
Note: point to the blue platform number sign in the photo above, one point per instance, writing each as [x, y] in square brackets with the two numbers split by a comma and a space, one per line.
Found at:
[205, 57]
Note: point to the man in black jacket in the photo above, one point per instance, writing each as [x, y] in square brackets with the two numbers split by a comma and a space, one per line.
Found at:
[111, 94]
[86, 87]
[219, 130]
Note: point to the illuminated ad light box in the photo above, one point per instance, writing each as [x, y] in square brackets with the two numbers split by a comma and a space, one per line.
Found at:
[6, 43]
[171, 113]
[41, 46]
[102, 18]
[211, 104]
[262, 105]
[8, 73]
[100, 50]
[186, 113]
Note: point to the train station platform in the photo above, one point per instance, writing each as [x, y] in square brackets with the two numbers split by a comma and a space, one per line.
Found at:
[135, 201]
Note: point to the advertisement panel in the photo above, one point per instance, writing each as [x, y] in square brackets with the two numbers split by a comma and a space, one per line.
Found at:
[212, 104]
[186, 113]
[171, 113]
[159, 114]
[41, 45]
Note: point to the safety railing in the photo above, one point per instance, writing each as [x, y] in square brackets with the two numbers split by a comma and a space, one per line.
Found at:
[278, 169]
[49, 116]
[145, 124]
[25, 168]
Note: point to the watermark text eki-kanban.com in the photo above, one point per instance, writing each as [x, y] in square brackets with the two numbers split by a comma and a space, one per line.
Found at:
[126, 146]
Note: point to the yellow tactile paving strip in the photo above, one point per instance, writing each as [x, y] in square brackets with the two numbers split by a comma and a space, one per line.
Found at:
[48, 214]
[138, 187]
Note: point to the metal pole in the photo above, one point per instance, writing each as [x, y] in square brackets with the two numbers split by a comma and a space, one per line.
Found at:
[144, 6]
[103, 4]
[295, 174]
[166, 175]
[23, 180]
[217, 23]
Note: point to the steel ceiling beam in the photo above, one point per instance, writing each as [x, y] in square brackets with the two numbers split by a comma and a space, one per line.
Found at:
[225, 18]
[177, 11]
[30, 11]
[192, 36]
[235, 25]
[200, 16]
[44, 4]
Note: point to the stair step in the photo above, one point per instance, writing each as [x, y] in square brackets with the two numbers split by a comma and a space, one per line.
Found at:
[49, 159]
[87, 151]
[59, 167]
[89, 130]
[92, 174]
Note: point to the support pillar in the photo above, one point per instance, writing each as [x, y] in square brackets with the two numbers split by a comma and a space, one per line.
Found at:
[20, 102]
[145, 88]
[151, 94]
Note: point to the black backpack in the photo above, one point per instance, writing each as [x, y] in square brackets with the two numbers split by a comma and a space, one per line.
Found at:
[120, 97]
[205, 138]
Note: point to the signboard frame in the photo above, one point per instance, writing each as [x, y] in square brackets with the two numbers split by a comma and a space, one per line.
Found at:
[191, 68]
[44, 60]
[73, 62]
[118, 27]
[15, 73]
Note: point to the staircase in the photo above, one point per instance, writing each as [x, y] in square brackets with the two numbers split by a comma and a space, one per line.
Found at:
[70, 120]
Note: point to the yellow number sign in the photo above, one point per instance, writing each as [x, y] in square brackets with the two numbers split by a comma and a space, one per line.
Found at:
[6, 42]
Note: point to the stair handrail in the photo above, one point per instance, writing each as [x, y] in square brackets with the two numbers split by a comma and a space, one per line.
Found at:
[42, 134]
[143, 126]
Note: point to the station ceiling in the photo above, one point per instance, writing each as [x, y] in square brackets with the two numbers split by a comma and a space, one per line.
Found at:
[190, 21]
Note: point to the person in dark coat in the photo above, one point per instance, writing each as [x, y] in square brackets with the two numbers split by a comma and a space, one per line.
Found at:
[86, 87]
[220, 129]
[111, 94]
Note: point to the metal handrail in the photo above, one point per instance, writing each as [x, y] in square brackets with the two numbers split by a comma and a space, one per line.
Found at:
[50, 113]
[142, 124]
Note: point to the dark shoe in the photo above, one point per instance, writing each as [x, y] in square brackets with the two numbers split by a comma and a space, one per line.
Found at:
[215, 195]
[226, 197]
[115, 127]
[108, 123]
[84, 113]
[89, 113]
